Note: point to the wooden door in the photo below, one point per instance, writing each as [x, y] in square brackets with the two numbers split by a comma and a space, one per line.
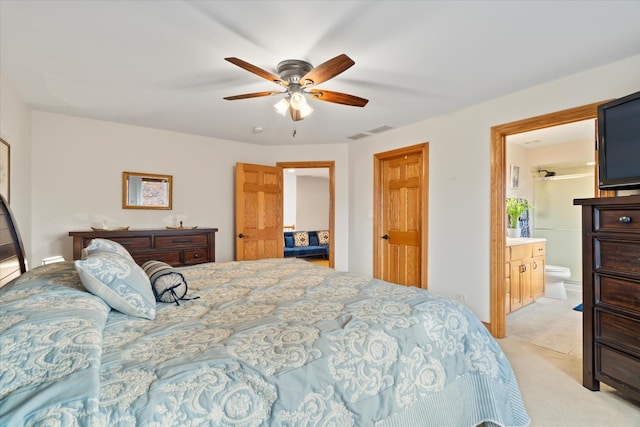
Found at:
[258, 212]
[401, 216]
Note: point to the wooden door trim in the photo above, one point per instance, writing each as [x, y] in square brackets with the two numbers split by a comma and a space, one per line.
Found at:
[378, 159]
[329, 164]
[499, 133]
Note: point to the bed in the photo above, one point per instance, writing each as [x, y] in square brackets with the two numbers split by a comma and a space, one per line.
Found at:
[275, 342]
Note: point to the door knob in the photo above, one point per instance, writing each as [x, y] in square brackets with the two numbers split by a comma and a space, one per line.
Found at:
[242, 235]
[385, 237]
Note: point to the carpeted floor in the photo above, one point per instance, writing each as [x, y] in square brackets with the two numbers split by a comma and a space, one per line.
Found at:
[551, 386]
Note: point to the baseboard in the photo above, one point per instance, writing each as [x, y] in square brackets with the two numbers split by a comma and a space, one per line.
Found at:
[573, 287]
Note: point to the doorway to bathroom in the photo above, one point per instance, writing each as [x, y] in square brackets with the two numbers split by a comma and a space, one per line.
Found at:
[499, 176]
[556, 166]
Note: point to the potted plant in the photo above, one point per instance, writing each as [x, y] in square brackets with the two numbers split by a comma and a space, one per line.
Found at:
[515, 208]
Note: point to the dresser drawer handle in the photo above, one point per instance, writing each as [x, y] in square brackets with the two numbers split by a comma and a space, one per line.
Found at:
[625, 219]
[181, 241]
[196, 256]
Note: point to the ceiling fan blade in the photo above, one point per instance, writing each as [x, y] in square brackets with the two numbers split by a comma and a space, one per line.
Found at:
[338, 97]
[252, 95]
[327, 70]
[295, 114]
[257, 71]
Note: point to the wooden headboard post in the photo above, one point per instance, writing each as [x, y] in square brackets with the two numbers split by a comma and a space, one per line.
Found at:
[12, 258]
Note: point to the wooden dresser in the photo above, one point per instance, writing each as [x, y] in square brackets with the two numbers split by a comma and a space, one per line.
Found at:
[611, 293]
[176, 247]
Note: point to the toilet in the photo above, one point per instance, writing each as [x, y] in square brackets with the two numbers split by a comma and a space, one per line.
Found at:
[554, 277]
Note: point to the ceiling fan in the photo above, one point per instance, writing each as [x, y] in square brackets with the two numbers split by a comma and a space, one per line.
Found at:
[298, 77]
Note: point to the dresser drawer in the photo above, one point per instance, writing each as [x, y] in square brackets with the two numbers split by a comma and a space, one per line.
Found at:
[170, 257]
[195, 256]
[618, 256]
[181, 241]
[618, 292]
[618, 220]
[133, 243]
[620, 367]
[623, 331]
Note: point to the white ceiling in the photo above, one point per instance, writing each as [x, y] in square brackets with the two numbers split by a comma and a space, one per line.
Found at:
[582, 131]
[161, 64]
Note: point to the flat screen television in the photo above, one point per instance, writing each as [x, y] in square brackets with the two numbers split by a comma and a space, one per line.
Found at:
[619, 143]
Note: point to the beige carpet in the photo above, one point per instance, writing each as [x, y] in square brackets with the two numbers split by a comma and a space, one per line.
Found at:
[551, 386]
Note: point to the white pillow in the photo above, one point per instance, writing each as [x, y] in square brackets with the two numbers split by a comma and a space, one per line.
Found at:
[119, 282]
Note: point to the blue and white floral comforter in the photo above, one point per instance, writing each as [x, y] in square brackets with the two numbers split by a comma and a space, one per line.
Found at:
[279, 342]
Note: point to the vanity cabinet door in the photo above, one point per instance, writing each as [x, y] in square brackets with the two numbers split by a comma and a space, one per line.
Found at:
[526, 281]
[516, 284]
[537, 276]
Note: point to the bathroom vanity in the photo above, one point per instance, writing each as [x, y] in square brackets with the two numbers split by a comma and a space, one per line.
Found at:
[525, 260]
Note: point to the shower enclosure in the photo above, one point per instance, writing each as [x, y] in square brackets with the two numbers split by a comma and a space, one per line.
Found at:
[559, 221]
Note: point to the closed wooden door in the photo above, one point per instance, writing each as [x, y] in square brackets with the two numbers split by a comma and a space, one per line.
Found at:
[258, 212]
[401, 216]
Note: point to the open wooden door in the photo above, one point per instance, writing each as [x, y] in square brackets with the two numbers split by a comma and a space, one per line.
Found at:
[258, 212]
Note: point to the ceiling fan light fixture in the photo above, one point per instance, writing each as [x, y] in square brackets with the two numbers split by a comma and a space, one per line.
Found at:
[305, 110]
[297, 100]
[282, 106]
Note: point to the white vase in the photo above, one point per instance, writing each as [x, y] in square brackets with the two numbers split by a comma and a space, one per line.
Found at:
[513, 232]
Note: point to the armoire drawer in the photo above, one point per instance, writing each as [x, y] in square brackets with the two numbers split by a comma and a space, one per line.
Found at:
[622, 368]
[618, 220]
[618, 292]
[622, 330]
[618, 256]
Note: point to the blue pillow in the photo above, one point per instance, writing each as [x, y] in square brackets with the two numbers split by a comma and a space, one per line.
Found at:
[119, 282]
[313, 239]
[288, 241]
[106, 245]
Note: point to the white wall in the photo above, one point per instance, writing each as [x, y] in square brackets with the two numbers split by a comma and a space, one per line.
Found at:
[312, 203]
[567, 153]
[78, 165]
[289, 193]
[15, 128]
[459, 176]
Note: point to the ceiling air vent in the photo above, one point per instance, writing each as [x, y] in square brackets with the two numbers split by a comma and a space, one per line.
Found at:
[381, 129]
[358, 136]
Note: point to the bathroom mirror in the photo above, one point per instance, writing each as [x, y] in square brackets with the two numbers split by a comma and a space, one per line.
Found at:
[146, 191]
